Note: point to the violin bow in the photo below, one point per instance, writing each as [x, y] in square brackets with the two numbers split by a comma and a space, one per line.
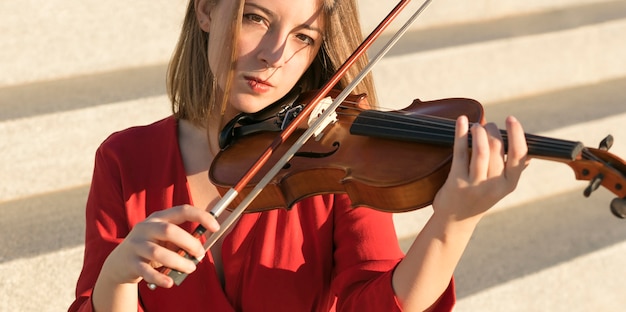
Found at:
[317, 125]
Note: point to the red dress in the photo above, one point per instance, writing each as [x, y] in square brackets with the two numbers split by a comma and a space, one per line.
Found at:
[321, 255]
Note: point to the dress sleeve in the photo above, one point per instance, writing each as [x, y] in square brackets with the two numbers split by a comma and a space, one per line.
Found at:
[106, 224]
[366, 254]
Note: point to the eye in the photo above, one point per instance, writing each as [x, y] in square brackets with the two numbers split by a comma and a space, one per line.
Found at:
[254, 18]
[306, 39]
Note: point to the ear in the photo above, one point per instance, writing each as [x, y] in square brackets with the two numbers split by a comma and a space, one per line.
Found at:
[203, 14]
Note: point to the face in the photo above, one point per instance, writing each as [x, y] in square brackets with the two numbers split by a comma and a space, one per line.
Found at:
[278, 41]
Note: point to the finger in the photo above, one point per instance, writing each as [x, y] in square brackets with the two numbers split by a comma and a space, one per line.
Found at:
[152, 276]
[152, 253]
[188, 213]
[517, 149]
[460, 157]
[479, 163]
[169, 234]
[496, 150]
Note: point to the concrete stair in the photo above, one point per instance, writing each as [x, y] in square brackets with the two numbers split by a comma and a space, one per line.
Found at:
[73, 74]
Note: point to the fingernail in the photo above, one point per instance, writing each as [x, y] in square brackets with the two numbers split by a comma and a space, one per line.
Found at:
[202, 255]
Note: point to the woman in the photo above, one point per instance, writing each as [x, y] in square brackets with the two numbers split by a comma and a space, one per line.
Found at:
[150, 186]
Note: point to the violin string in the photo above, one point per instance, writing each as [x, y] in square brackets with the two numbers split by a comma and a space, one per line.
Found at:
[445, 127]
[588, 155]
[441, 127]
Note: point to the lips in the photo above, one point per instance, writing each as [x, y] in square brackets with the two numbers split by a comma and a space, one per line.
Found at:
[257, 84]
[258, 80]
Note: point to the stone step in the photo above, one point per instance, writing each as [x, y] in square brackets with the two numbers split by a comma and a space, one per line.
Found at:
[56, 151]
[43, 283]
[72, 39]
[507, 58]
[450, 12]
[59, 38]
[557, 253]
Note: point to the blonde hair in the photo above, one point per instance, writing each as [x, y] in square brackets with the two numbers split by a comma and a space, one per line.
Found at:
[191, 85]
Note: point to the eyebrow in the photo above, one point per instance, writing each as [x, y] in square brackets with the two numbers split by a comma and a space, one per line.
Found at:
[271, 14]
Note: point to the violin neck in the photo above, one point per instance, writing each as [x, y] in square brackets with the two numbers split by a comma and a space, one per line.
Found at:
[440, 131]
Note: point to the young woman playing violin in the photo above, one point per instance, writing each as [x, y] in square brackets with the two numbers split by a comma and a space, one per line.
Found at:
[150, 187]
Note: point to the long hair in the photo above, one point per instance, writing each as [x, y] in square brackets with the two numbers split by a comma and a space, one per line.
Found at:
[192, 87]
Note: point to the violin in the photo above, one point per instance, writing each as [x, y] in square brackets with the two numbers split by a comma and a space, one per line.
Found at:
[392, 161]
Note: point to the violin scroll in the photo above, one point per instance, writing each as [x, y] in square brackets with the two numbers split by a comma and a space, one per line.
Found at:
[602, 168]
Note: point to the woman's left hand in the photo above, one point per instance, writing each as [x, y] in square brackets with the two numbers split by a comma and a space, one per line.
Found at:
[480, 177]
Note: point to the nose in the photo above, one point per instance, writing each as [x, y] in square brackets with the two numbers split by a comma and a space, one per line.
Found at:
[273, 49]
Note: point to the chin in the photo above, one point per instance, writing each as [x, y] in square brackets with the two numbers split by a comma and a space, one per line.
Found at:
[250, 104]
[249, 107]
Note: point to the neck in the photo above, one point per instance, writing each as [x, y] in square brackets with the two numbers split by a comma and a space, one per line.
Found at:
[195, 148]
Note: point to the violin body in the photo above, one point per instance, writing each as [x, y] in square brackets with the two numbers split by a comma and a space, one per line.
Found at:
[387, 175]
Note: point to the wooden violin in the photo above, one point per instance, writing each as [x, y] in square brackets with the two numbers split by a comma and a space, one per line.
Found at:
[393, 161]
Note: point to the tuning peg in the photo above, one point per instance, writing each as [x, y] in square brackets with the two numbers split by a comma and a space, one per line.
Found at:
[606, 143]
[593, 184]
[618, 207]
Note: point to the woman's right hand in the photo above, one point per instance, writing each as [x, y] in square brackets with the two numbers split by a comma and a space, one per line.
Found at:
[153, 243]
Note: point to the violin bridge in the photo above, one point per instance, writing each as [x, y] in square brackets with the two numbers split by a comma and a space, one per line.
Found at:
[317, 113]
